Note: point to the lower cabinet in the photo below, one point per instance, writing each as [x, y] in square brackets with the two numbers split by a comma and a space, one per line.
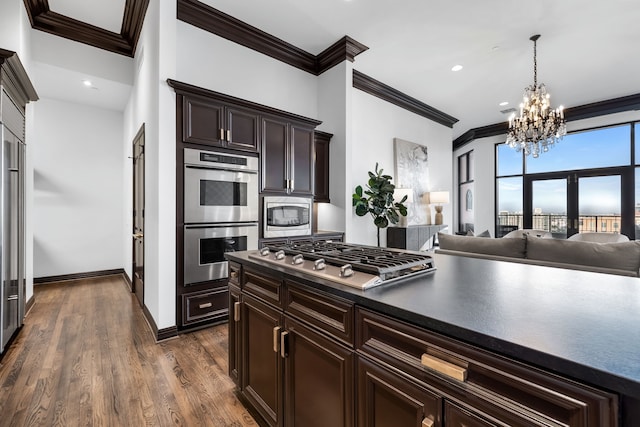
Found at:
[305, 357]
[318, 378]
[387, 400]
[290, 372]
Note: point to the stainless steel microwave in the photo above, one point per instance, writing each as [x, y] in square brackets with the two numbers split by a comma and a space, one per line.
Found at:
[286, 216]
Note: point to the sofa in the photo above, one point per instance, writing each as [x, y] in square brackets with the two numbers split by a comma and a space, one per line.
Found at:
[621, 258]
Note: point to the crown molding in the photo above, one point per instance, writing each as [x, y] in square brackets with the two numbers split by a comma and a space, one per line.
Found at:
[344, 49]
[586, 111]
[376, 88]
[15, 79]
[123, 43]
[226, 26]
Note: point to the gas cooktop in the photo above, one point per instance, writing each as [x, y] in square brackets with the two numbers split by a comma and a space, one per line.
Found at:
[353, 265]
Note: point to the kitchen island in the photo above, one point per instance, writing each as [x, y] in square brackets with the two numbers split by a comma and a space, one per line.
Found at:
[501, 343]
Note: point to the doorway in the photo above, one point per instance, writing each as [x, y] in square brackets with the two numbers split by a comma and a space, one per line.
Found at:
[138, 216]
[578, 202]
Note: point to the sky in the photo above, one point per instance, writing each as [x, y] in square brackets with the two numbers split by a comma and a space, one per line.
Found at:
[598, 148]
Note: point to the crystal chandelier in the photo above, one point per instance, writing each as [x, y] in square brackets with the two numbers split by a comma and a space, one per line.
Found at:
[539, 126]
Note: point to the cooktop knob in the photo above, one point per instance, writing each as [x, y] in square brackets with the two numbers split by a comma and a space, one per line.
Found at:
[319, 264]
[346, 270]
[264, 251]
[279, 255]
[297, 259]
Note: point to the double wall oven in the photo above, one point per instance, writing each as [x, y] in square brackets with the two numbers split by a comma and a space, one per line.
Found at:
[220, 211]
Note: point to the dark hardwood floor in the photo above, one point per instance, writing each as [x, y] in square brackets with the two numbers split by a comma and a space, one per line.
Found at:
[86, 356]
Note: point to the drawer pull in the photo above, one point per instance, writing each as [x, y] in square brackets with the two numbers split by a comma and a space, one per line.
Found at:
[233, 274]
[236, 311]
[205, 305]
[276, 339]
[427, 422]
[444, 367]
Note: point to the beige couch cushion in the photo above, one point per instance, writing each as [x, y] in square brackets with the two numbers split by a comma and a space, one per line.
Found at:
[621, 256]
[514, 248]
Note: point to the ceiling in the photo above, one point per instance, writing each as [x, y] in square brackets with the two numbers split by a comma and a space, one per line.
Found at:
[585, 54]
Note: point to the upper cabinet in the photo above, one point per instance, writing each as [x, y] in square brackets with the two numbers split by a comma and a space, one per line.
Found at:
[220, 124]
[287, 156]
[321, 169]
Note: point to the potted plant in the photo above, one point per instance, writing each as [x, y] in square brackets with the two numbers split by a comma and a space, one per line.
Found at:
[377, 200]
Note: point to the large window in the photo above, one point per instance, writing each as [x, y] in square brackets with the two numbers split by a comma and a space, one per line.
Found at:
[465, 192]
[586, 183]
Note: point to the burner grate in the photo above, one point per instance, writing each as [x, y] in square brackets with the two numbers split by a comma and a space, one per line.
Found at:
[383, 262]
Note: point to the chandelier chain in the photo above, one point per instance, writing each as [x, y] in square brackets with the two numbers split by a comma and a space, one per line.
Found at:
[535, 65]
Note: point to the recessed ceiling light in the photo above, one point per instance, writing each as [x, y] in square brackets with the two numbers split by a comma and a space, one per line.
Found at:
[456, 67]
[87, 83]
[503, 103]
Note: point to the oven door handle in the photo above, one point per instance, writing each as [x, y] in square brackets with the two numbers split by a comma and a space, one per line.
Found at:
[249, 171]
[222, 225]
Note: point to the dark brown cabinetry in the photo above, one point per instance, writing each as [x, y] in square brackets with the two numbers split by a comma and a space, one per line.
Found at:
[216, 123]
[478, 388]
[287, 157]
[221, 123]
[321, 180]
[387, 400]
[297, 360]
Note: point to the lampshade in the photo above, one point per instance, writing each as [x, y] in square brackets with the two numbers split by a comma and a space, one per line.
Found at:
[439, 197]
[399, 193]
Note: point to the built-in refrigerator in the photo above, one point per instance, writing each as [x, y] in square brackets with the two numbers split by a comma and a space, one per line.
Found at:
[12, 251]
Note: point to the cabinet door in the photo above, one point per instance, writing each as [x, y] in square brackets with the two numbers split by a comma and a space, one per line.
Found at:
[242, 129]
[202, 121]
[275, 158]
[386, 399]
[261, 364]
[235, 334]
[302, 162]
[319, 390]
[321, 168]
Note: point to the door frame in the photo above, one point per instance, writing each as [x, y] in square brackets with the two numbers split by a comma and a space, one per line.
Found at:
[627, 210]
[140, 137]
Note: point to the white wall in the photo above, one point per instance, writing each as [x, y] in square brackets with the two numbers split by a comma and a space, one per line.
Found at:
[206, 60]
[152, 103]
[334, 107]
[484, 180]
[77, 182]
[375, 124]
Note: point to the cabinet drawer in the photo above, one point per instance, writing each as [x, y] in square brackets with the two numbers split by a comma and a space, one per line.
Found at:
[263, 286]
[496, 385]
[330, 314]
[234, 273]
[206, 305]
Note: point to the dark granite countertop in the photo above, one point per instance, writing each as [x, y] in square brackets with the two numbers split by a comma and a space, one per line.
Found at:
[577, 324]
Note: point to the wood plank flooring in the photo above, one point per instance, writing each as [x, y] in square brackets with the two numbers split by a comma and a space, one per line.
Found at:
[86, 357]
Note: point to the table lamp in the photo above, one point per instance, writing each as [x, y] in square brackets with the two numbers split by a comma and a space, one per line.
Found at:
[438, 198]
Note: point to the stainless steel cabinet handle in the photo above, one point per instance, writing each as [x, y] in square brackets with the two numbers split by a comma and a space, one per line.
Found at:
[205, 305]
[276, 339]
[454, 371]
[283, 344]
[427, 422]
[222, 134]
[236, 311]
